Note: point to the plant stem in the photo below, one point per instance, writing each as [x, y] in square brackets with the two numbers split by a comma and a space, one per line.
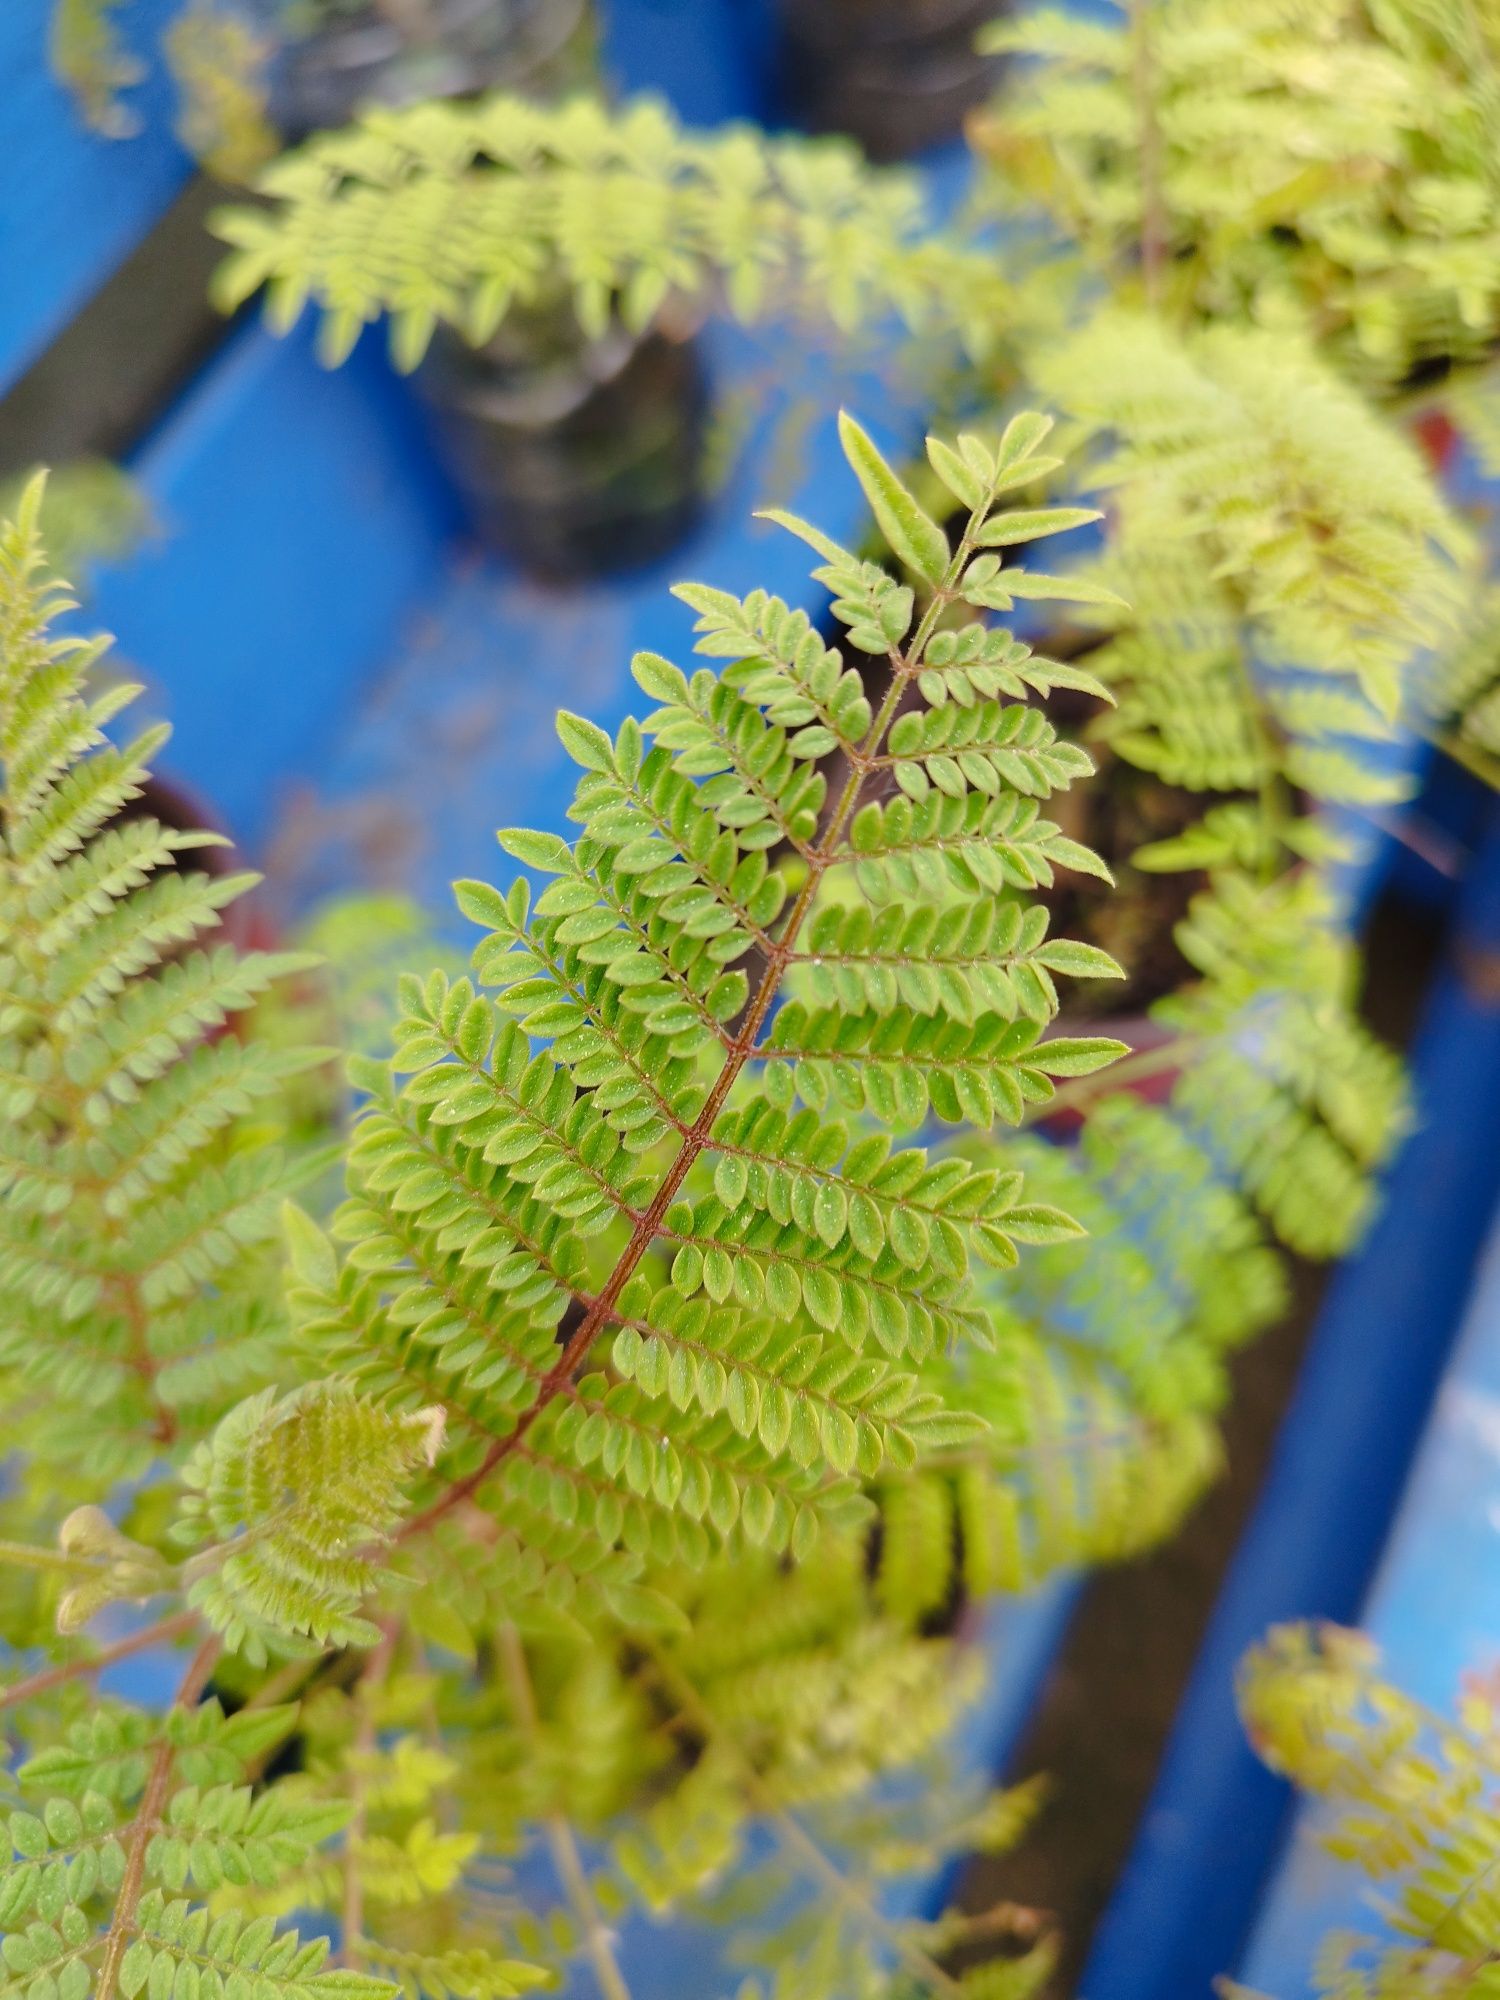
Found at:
[158, 1634]
[1153, 212]
[559, 1834]
[148, 1816]
[795, 1837]
[26, 1555]
[374, 1671]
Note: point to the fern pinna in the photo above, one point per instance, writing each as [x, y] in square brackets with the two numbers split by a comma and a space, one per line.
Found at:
[639, 1297]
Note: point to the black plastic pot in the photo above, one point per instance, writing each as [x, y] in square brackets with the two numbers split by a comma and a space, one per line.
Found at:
[897, 75]
[404, 51]
[577, 457]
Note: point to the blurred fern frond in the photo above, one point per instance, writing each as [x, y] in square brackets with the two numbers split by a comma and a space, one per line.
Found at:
[1327, 168]
[452, 214]
[1411, 1800]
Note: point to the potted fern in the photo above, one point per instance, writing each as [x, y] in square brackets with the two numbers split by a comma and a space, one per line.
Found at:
[533, 1497]
[578, 441]
[533, 1557]
[1283, 558]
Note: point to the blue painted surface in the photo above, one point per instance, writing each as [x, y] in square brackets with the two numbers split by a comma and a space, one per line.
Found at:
[709, 58]
[301, 521]
[454, 736]
[1188, 1896]
[1435, 1611]
[79, 203]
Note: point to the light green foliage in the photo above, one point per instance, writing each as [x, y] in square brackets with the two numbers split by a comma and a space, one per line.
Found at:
[1287, 1087]
[763, 1280]
[1103, 1418]
[217, 57]
[750, 1375]
[1326, 167]
[89, 58]
[90, 509]
[126, 1192]
[289, 1495]
[1460, 691]
[1286, 551]
[668, 1376]
[75, 1838]
[1411, 1801]
[218, 62]
[451, 214]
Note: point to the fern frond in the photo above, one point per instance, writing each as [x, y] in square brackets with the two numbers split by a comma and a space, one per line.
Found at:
[71, 1858]
[1460, 691]
[1334, 544]
[455, 214]
[1411, 1802]
[91, 508]
[1288, 1089]
[125, 1186]
[1329, 166]
[757, 1295]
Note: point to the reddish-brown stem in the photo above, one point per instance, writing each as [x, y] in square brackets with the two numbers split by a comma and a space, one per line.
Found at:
[375, 1669]
[147, 1818]
[1153, 211]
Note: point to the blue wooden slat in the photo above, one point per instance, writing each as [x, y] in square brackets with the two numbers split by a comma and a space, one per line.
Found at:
[301, 521]
[77, 203]
[1435, 1610]
[1187, 1898]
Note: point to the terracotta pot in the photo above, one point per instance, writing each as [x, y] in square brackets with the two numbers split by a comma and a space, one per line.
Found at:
[577, 457]
[381, 52]
[899, 76]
